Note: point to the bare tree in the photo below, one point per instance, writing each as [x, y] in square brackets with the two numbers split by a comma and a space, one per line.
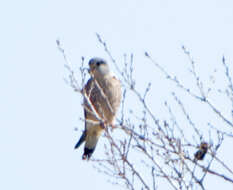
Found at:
[145, 151]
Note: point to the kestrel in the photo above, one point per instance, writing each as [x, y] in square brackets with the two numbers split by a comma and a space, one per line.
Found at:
[102, 98]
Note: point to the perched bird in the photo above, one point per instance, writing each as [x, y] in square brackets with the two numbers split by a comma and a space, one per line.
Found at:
[200, 154]
[102, 98]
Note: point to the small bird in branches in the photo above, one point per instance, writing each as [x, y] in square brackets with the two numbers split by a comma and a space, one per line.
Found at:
[102, 98]
[200, 154]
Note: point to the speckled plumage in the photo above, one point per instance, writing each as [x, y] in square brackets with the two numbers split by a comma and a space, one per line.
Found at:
[104, 93]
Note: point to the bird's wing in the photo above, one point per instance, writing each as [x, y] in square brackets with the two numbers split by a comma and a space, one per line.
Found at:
[105, 98]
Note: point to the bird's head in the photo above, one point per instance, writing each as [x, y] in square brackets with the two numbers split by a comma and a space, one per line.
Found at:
[98, 67]
[204, 146]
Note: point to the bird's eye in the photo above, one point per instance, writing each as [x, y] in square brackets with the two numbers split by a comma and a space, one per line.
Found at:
[99, 63]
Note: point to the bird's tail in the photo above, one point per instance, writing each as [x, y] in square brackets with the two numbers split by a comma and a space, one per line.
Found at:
[91, 137]
[90, 145]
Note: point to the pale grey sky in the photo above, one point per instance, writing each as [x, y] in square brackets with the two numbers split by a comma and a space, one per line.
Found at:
[39, 111]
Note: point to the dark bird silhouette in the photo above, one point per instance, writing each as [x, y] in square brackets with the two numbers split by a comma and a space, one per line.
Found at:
[200, 154]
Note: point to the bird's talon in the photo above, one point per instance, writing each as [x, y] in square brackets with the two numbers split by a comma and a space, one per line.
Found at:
[103, 125]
